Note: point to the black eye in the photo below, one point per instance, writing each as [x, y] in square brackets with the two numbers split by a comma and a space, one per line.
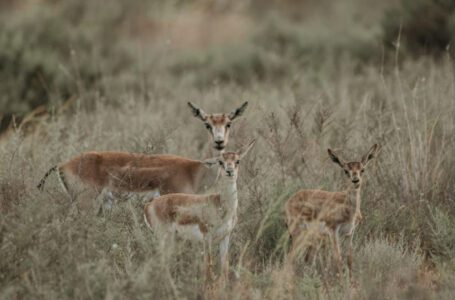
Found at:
[220, 162]
[237, 162]
[346, 172]
[208, 126]
[228, 125]
[362, 171]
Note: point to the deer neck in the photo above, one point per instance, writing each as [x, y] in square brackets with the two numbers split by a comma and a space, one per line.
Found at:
[353, 198]
[228, 195]
[208, 177]
[211, 151]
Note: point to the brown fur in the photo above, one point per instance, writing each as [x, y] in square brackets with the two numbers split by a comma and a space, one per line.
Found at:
[214, 214]
[332, 208]
[219, 122]
[168, 208]
[218, 119]
[133, 172]
[335, 213]
[89, 173]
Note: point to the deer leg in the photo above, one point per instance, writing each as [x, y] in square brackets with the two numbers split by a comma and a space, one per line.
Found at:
[296, 239]
[107, 199]
[166, 246]
[310, 254]
[208, 259]
[307, 241]
[224, 248]
[350, 256]
[336, 249]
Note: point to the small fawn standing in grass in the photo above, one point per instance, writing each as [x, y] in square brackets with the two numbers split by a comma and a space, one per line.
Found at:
[328, 213]
[89, 174]
[205, 218]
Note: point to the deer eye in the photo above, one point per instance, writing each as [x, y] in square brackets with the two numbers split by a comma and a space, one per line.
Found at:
[228, 125]
[220, 162]
[346, 172]
[208, 126]
[361, 171]
[237, 162]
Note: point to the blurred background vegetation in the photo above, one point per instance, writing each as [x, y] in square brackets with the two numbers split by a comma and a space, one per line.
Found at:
[51, 50]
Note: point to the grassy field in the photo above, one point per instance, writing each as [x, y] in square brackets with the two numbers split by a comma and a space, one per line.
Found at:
[308, 90]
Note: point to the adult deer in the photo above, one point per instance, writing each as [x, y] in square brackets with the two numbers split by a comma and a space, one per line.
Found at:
[218, 125]
[205, 218]
[90, 173]
[328, 213]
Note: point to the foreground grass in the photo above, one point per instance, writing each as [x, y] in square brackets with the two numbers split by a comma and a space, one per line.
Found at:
[403, 249]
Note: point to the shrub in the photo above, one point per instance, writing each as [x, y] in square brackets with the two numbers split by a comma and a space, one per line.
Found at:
[425, 26]
[311, 44]
[277, 50]
[48, 52]
[442, 232]
[388, 270]
[241, 64]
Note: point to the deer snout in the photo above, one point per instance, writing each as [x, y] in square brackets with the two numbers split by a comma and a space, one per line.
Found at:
[219, 145]
[355, 178]
[230, 172]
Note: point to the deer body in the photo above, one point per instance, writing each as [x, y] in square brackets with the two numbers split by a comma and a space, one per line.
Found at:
[335, 214]
[203, 218]
[133, 172]
[334, 210]
[194, 217]
[90, 173]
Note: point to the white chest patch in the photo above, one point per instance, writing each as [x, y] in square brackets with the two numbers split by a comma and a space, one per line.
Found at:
[224, 229]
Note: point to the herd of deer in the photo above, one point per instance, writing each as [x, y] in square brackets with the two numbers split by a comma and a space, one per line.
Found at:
[175, 209]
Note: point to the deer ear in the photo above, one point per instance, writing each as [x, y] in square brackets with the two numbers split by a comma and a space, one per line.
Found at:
[372, 153]
[335, 158]
[238, 111]
[242, 152]
[197, 112]
[210, 162]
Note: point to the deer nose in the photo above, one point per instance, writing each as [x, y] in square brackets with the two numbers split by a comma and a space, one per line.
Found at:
[230, 172]
[219, 143]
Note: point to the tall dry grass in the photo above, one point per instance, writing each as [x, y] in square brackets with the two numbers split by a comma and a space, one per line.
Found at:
[403, 248]
[310, 86]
